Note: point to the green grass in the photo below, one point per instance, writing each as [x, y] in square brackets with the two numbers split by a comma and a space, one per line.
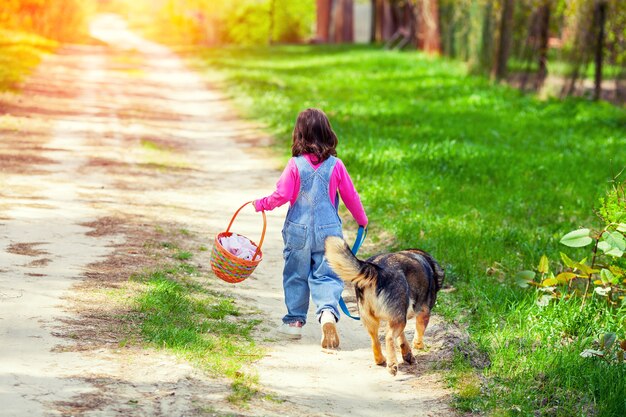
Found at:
[20, 53]
[171, 306]
[485, 178]
[183, 255]
[176, 313]
[558, 66]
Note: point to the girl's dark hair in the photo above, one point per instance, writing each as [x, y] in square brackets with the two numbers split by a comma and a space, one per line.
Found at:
[313, 134]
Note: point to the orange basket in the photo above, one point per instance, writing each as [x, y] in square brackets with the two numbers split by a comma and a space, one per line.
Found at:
[229, 267]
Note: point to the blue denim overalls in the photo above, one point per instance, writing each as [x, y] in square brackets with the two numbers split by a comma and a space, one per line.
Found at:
[310, 220]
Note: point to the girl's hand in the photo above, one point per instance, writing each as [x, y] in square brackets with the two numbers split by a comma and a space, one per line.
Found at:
[256, 208]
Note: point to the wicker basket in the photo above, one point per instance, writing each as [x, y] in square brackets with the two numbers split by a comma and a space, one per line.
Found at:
[229, 267]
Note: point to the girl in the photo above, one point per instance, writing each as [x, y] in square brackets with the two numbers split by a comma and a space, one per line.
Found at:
[310, 182]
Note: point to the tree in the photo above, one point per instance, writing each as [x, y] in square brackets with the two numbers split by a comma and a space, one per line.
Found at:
[600, 23]
[535, 47]
[544, 13]
[323, 20]
[373, 21]
[404, 24]
[344, 21]
[338, 14]
[428, 31]
[384, 22]
[504, 41]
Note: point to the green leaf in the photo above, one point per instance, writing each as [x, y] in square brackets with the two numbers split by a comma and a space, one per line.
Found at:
[522, 278]
[549, 282]
[606, 276]
[564, 277]
[585, 269]
[527, 275]
[609, 339]
[589, 353]
[604, 246]
[616, 270]
[615, 252]
[616, 244]
[577, 238]
[544, 265]
[621, 227]
[615, 239]
[567, 261]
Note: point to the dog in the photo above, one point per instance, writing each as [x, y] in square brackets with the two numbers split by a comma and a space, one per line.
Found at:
[393, 287]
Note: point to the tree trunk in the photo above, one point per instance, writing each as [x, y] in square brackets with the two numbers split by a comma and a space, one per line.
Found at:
[428, 31]
[387, 21]
[344, 21]
[530, 46]
[544, 32]
[504, 42]
[582, 30]
[378, 24]
[348, 21]
[323, 20]
[373, 21]
[599, 52]
[384, 22]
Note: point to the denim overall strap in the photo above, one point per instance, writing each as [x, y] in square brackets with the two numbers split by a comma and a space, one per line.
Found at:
[310, 220]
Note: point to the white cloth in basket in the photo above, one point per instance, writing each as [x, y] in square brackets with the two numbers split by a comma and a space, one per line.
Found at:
[238, 245]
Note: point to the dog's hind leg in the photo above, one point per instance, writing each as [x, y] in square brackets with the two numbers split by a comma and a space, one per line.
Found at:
[393, 332]
[407, 355]
[421, 321]
[372, 326]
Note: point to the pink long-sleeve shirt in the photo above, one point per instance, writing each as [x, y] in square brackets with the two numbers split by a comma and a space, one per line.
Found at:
[288, 187]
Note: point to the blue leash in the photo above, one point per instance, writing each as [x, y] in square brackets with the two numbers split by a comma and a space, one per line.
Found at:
[360, 237]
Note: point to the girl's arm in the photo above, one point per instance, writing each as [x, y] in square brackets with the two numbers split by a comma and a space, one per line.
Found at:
[284, 189]
[348, 194]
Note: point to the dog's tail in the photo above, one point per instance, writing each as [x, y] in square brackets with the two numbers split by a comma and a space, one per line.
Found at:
[346, 265]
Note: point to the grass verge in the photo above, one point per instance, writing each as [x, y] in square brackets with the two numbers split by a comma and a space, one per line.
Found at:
[204, 327]
[485, 178]
[172, 308]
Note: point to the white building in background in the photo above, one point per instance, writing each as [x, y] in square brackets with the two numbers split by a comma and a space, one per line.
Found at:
[362, 21]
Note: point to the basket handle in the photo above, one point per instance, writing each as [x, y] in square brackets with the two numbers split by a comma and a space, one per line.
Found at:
[258, 248]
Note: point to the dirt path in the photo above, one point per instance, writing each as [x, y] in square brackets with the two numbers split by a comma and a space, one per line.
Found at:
[128, 133]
